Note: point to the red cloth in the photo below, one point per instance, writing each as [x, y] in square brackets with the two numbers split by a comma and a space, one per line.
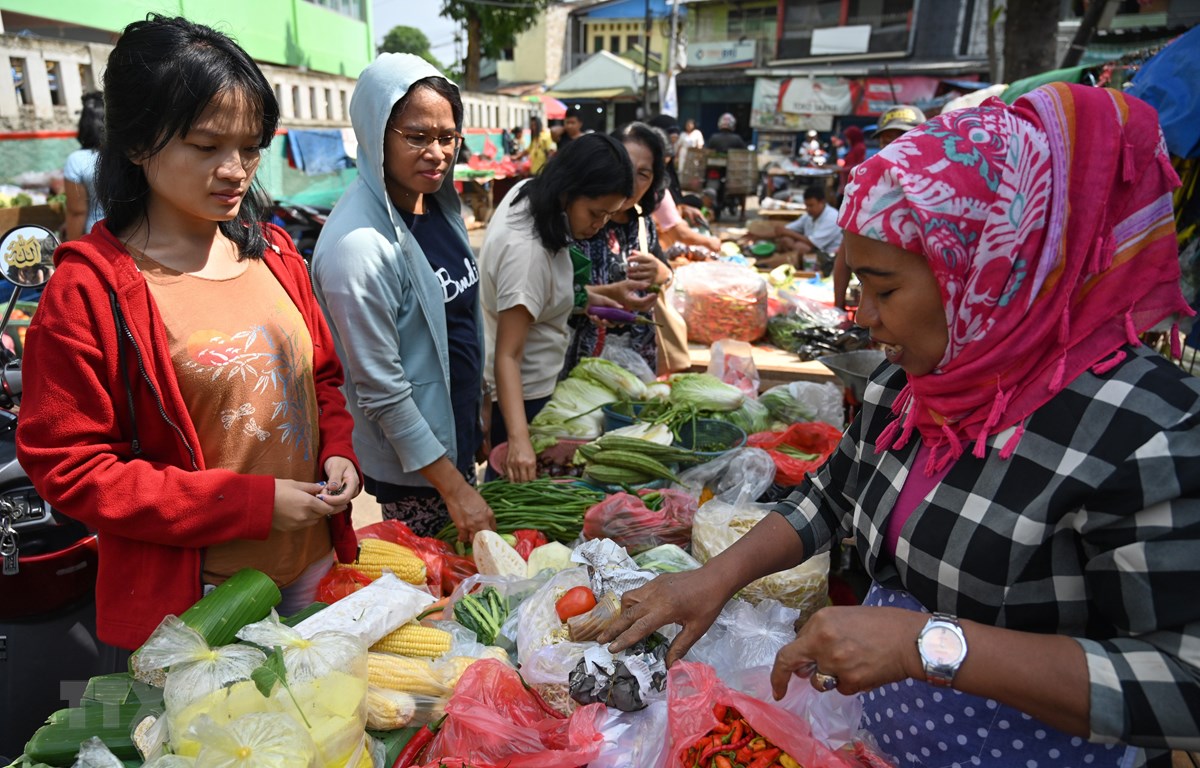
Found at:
[156, 513]
[1047, 264]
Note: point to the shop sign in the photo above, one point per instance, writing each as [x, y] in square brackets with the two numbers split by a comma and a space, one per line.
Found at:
[883, 92]
[780, 104]
[721, 54]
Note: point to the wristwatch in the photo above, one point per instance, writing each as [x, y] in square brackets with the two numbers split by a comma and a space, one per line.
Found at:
[943, 647]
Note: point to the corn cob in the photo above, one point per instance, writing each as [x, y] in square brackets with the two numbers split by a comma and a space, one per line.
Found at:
[453, 667]
[400, 673]
[388, 710]
[376, 555]
[639, 462]
[412, 639]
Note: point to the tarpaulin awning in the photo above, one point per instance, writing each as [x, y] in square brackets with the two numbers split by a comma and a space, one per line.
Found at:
[1168, 83]
[602, 76]
[554, 109]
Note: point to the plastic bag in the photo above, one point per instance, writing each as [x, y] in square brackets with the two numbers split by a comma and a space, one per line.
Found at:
[745, 636]
[527, 541]
[444, 568]
[805, 401]
[721, 301]
[693, 689]
[719, 524]
[495, 721]
[627, 520]
[667, 558]
[94, 753]
[326, 684]
[817, 439]
[618, 350]
[634, 738]
[340, 581]
[732, 362]
[539, 625]
[195, 669]
[741, 473]
[371, 612]
[256, 740]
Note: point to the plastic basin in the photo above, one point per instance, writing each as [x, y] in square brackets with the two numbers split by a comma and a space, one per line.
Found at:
[709, 433]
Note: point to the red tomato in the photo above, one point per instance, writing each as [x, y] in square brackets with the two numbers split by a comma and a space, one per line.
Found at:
[575, 601]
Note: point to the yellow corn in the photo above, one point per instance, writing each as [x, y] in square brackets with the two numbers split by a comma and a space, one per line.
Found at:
[412, 639]
[388, 710]
[376, 555]
[453, 667]
[400, 673]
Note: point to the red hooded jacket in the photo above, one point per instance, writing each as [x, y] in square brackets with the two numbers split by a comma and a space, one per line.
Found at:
[97, 350]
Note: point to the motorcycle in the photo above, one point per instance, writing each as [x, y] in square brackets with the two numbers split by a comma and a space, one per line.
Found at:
[303, 224]
[48, 644]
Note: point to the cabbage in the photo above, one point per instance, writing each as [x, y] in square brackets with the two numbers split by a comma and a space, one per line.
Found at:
[752, 417]
[784, 407]
[610, 376]
[659, 390]
[644, 430]
[573, 411]
[704, 392]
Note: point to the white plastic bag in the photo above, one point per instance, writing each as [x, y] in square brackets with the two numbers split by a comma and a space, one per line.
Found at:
[805, 401]
[718, 524]
[745, 636]
[634, 738]
[732, 362]
[833, 717]
[196, 671]
[371, 612]
[259, 740]
[743, 473]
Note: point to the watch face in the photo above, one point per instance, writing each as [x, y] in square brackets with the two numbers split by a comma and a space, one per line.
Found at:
[941, 646]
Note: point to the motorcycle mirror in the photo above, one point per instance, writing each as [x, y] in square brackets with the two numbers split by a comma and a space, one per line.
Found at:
[28, 255]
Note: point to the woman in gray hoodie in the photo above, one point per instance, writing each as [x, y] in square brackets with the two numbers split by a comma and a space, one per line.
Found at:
[396, 276]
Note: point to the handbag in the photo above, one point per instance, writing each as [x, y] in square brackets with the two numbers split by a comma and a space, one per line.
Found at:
[670, 335]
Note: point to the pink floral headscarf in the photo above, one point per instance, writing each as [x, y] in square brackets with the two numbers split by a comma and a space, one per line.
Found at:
[1049, 229]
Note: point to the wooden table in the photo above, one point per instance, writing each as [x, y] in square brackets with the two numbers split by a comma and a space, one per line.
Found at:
[775, 366]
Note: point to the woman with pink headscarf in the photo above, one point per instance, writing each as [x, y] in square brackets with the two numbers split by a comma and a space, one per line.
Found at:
[1023, 481]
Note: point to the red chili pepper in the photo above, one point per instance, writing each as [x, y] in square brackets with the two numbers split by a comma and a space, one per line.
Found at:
[721, 728]
[723, 762]
[765, 758]
[719, 711]
[712, 749]
[541, 702]
[418, 742]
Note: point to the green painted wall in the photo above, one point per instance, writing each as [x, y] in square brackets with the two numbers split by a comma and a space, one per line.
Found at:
[289, 32]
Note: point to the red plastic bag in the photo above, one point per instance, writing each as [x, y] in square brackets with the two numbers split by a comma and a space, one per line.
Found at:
[814, 437]
[627, 520]
[693, 689]
[341, 580]
[528, 540]
[444, 569]
[493, 721]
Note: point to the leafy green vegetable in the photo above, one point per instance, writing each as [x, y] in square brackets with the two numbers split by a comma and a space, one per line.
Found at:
[752, 417]
[273, 671]
[784, 407]
[484, 614]
[609, 375]
[573, 411]
[704, 392]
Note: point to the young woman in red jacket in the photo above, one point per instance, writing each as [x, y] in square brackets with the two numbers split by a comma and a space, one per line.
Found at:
[181, 392]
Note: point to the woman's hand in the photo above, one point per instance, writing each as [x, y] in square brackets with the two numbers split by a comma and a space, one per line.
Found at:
[628, 294]
[341, 483]
[297, 506]
[520, 466]
[469, 512]
[645, 267]
[863, 647]
[692, 599]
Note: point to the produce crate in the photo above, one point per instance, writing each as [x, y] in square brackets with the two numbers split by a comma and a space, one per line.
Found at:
[741, 172]
[691, 173]
[49, 216]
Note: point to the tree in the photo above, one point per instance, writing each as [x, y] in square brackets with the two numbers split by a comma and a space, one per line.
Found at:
[492, 26]
[1030, 27]
[402, 39]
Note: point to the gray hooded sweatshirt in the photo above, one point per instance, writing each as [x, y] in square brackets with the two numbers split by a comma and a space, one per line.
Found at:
[383, 301]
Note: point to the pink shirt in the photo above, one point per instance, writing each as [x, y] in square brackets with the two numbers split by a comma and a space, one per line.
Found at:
[916, 487]
[666, 215]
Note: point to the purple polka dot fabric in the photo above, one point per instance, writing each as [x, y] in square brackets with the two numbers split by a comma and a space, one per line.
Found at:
[917, 724]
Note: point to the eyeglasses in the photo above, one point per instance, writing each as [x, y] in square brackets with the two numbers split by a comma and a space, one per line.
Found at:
[423, 141]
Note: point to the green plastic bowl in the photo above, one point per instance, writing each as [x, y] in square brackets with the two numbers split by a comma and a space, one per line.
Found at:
[763, 248]
[710, 438]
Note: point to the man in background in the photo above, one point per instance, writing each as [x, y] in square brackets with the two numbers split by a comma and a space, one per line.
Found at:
[572, 127]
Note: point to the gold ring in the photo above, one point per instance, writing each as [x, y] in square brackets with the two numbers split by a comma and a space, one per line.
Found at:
[825, 682]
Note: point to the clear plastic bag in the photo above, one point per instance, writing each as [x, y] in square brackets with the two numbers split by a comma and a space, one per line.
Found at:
[741, 473]
[718, 524]
[196, 670]
[257, 740]
[444, 568]
[805, 401]
[634, 738]
[744, 636]
[326, 684]
[539, 625]
[721, 301]
[617, 350]
[94, 753]
[732, 362]
[667, 558]
[626, 519]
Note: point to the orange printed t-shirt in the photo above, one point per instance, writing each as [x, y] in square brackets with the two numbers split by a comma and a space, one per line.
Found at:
[244, 359]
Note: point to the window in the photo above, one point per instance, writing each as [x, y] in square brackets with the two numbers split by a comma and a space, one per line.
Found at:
[296, 101]
[20, 80]
[54, 78]
[87, 78]
[632, 41]
[351, 8]
[614, 43]
[597, 43]
[751, 22]
[328, 103]
[890, 22]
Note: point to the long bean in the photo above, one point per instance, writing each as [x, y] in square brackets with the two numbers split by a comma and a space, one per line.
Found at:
[546, 504]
